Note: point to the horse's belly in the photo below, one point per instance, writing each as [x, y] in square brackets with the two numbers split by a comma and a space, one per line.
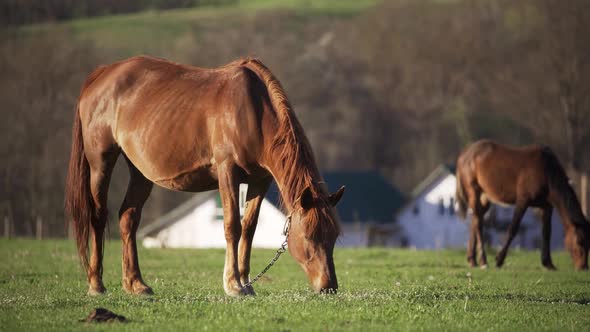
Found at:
[196, 180]
[501, 194]
[172, 161]
[504, 202]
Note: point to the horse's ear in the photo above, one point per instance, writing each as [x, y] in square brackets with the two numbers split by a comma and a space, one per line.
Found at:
[306, 199]
[335, 197]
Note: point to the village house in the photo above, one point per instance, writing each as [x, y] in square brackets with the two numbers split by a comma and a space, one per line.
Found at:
[367, 209]
[366, 212]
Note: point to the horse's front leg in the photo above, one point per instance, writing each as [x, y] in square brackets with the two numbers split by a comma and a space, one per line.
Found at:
[472, 242]
[519, 210]
[228, 174]
[256, 192]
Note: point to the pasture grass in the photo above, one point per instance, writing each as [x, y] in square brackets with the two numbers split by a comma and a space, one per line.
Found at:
[42, 288]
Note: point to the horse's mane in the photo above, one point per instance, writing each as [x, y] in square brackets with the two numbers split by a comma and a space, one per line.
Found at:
[294, 157]
[560, 183]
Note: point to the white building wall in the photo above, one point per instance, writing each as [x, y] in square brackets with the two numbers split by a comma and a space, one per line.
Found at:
[269, 232]
[354, 234]
[202, 229]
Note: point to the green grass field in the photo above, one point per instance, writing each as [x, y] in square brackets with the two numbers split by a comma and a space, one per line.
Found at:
[42, 288]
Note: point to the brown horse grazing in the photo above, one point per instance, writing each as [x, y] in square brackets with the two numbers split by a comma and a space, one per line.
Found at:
[527, 176]
[195, 129]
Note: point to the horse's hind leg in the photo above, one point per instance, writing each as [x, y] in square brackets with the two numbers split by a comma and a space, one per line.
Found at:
[546, 245]
[519, 210]
[101, 167]
[475, 238]
[482, 209]
[256, 192]
[138, 191]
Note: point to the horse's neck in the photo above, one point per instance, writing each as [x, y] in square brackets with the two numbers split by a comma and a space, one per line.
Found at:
[293, 176]
[292, 186]
[289, 157]
[568, 206]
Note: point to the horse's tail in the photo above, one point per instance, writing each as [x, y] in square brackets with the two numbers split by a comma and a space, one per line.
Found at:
[460, 195]
[560, 186]
[79, 204]
[78, 198]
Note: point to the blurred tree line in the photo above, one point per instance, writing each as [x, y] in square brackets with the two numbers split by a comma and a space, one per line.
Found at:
[401, 88]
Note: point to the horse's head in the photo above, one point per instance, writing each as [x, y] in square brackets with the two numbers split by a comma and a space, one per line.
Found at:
[577, 241]
[314, 229]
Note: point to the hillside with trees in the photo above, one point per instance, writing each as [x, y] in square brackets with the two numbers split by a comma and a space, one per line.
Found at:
[399, 86]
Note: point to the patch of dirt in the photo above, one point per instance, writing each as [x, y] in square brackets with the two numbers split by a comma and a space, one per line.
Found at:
[102, 315]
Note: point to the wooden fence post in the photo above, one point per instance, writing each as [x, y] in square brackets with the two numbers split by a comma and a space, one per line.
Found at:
[70, 230]
[6, 227]
[39, 227]
[584, 192]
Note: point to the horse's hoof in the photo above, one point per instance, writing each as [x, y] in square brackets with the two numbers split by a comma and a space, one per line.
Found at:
[500, 261]
[249, 290]
[484, 267]
[96, 291]
[236, 291]
[143, 291]
[137, 288]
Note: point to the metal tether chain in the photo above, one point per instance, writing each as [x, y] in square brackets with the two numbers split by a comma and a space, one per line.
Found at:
[280, 251]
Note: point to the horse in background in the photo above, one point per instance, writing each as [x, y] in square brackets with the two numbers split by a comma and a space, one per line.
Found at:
[530, 176]
[194, 129]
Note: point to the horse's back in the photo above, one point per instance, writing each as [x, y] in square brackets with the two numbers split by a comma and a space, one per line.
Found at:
[171, 120]
[490, 152]
[505, 172]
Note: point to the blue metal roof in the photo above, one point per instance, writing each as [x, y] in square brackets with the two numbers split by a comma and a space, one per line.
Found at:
[369, 197]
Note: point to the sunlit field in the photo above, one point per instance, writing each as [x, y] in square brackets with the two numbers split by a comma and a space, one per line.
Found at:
[42, 288]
